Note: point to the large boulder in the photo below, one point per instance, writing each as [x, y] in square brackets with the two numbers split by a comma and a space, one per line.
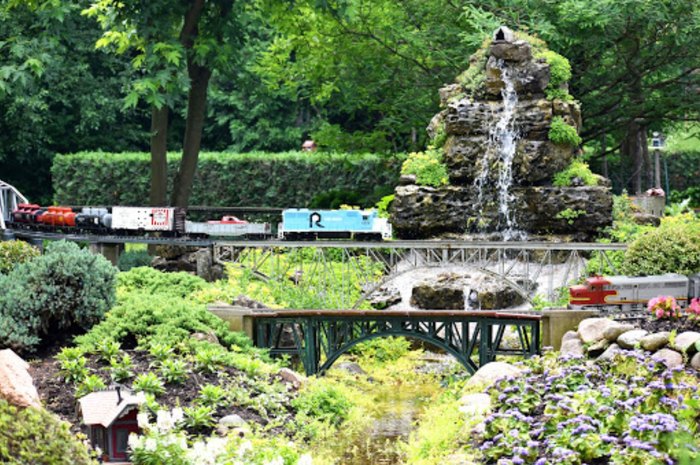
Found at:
[488, 374]
[685, 342]
[631, 339]
[16, 384]
[592, 330]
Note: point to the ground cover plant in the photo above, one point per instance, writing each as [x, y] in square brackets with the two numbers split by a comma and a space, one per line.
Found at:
[628, 410]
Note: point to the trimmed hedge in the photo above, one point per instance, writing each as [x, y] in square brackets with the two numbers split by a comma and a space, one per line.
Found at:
[258, 179]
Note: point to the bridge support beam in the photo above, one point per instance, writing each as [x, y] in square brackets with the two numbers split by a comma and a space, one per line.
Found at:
[238, 318]
[557, 321]
[110, 251]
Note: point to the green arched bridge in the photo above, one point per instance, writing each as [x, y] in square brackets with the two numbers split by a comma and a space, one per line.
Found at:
[319, 337]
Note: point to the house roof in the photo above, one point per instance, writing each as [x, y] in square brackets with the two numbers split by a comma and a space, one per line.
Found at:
[104, 407]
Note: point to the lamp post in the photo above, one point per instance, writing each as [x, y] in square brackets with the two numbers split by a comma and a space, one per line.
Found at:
[657, 143]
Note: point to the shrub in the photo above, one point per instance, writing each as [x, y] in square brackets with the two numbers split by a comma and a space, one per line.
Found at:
[156, 318]
[383, 349]
[37, 437]
[65, 289]
[132, 259]
[562, 133]
[577, 169]
[559, 73]
[427, 167]
[673, 247]
[149, 383]
[152, 281]
[323, 402]
[12, 253]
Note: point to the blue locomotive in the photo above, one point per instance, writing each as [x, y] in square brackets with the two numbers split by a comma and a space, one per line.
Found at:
[306, 224]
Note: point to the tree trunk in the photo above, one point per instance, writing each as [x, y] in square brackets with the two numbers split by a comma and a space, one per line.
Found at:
[635, 140]
[196, 106]
[159, 160]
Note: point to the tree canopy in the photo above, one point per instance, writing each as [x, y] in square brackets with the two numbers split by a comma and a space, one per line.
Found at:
[356, 75]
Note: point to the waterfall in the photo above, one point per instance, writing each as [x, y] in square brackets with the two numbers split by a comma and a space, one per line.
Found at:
[503, 140]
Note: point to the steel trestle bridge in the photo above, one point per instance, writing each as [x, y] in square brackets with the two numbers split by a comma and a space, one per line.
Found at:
[326, 264]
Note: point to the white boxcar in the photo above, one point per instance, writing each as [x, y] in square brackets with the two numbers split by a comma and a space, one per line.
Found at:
[228, 229]
[143, 218]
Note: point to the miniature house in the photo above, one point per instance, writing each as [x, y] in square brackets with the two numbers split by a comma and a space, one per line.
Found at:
[110, 416]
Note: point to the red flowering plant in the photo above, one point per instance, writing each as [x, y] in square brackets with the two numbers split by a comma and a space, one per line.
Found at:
[664, 306]
[694, 308]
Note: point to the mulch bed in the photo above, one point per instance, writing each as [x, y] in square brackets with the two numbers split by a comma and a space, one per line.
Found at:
[679, 325]
[57, 395]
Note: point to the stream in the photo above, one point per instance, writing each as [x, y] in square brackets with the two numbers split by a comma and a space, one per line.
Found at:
[397, 408]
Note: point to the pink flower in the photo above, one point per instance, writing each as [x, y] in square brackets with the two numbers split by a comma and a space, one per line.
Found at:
[664, 307]
[694, 307]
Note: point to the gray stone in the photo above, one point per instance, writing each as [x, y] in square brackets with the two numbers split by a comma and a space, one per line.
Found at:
[488, 374]
[655, 341]
[291, 376]
[438, 296]
[609, 353]
[350, 367]
[384, 297]
[572, 348]
[209, 336]
[232, 421]
[592, 330]
[630, 339]
[407, 179]
[695, 361]
[685, 342]
[569, 335]
[513, 51]
[597, 348]
[613, 331]
[668, 357]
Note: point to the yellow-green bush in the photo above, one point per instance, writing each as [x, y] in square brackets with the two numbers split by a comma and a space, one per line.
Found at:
[36, 437]
[428, 168]
[673, 247]
[13, 253]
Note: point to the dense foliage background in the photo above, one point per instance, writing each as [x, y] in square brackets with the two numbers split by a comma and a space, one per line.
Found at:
[356, 75]
[291, 179]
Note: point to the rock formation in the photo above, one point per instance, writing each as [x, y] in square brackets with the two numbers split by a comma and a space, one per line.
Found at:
[16, 384]
[494, 136]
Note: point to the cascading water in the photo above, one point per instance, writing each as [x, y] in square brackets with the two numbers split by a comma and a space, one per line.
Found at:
[503, 138]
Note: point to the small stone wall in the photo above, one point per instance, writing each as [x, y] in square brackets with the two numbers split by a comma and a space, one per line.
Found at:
[602, 338]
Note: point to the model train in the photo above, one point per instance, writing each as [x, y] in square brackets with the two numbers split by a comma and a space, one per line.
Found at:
[627, 294]
[296, 224]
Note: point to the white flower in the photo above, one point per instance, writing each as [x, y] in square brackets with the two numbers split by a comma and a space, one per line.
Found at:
[134, 441]
[142, 419]
[151, 444]
[164, 421]
[177, 414]
[305, 460]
